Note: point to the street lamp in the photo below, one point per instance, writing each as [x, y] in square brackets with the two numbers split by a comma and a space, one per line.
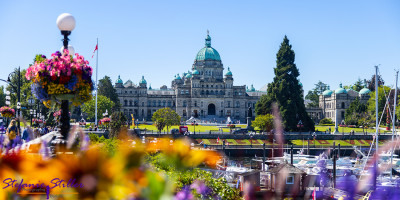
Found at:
[194, 124]
[31, 113]
[66, 23]
[16, 89]
[30, 103]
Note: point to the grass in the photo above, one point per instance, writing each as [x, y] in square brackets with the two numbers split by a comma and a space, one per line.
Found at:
[347, 129]
[199, 128]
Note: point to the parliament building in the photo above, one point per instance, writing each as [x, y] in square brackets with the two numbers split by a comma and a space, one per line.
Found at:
[204, 92]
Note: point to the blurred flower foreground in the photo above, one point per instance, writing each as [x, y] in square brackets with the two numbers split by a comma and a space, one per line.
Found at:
[117, 168]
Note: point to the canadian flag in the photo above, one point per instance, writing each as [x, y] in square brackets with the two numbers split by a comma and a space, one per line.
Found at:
[218, 140]
[95, 49]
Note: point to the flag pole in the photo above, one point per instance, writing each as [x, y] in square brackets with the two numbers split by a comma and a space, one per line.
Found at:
[97, 70]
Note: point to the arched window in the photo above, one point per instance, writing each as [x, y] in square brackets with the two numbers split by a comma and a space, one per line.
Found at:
[126, 102]
[184, 103]
[164, 103]
[154, 103]
[237, 104]
[202, 92]
[169, 103]
[159, 103]
[343, 106]
[148, 103]
[136, 103]
[130, 103]
[212, 92]
[207, 92]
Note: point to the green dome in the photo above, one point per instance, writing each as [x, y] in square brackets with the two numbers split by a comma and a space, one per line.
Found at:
[119, 80]
[365, 91]
[188, 75]
[229, 73]
[340, 90]
[143, 81]
[208, 53]
[327, 93]
[252, 88]
[177, 77]
[195, 72]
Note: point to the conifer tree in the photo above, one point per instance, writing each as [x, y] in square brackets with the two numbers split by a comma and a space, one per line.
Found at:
[287, 91]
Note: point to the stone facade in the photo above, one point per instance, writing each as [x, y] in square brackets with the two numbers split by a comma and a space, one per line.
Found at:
[333, 104]
[203, 92]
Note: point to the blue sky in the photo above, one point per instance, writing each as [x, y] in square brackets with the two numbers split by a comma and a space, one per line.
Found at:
[334, 41]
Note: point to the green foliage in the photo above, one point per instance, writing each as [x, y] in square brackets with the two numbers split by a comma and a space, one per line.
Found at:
[358, 85]
[2, 97]
[264, 122]
[183, 178]
[106, 89]
[286, 91]
[103, 104]
[165, 117]
[355, 112]
[109, 146]
[326, 121]
[25, 87]
[313, 95]
[118, 120]
[381, 102]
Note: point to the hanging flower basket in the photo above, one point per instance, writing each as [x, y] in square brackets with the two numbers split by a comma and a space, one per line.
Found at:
[62, 77]
[37, 121]
[7, 111]
[105, 121]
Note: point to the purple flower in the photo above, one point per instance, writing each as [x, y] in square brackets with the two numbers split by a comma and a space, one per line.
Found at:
[184, 194]
[200, 188]
[71, 83]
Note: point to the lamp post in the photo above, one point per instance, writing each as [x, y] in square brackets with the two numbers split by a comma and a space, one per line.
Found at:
[300, 125]
[16, 89]
[66, 23]
[30, 103]
[194, 124]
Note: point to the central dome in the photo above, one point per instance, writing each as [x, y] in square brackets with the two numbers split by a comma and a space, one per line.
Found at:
[208, 53]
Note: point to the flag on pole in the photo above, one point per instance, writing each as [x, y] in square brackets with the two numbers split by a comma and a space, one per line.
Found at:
[95, 49]
[218, 140]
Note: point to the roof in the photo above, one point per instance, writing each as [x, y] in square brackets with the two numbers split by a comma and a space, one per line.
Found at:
[143, 81]
[340, 90]
[291, 169]
[365, 91]
[229, 73]
[208, 53]
[119, 80]
[327, 93]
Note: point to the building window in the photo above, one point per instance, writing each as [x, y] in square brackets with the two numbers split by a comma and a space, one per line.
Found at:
[342, 114]
[343, 106]
[148, 103]
[169, 103]
[229, 104]
[130, 103]
[164, 103]
[201, 104]
[184, 103]
[126, 102]
[290, 179]
[143, 104]
[207, 92]
[126, 92]
[222, 104]
[195, 103]
[159, 103]
[154, 103]
[130, 92]
[136, 103]
[237, 104]
[202, 92]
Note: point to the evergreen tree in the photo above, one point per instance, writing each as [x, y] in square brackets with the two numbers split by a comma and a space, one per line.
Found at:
[287, 91]
[371, 83]
[358, 85]
[106, 88]
[313, 95]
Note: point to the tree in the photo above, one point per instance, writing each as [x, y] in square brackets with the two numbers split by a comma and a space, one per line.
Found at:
[313, 95]
[286, 90]
[264, 122]
[2, 97]
[103, 104]
[355, 112]
[25, 91]
[371, 83]
[165, 117]
[118, 120]
[382, 90]
[326, 121]
[358, 85]
[106, 89]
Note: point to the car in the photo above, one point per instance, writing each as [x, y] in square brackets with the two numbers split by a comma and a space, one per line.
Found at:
[241, 131]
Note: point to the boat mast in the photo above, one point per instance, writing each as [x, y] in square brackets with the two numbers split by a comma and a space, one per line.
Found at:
[393, 123]
[376, 108]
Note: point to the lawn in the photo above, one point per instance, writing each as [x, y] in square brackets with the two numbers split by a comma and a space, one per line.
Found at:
[346, 129]
[199, 128]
